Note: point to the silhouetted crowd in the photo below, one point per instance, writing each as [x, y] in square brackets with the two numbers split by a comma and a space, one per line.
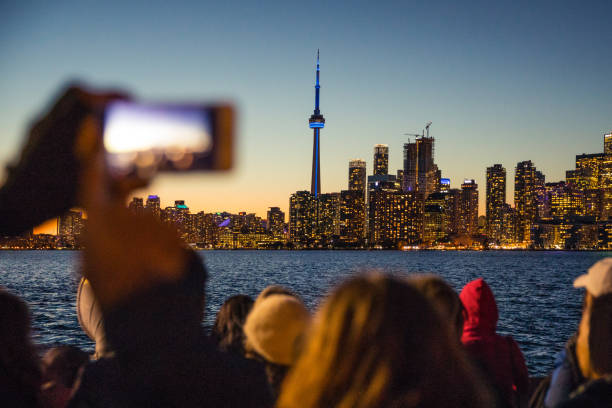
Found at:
[376, 340]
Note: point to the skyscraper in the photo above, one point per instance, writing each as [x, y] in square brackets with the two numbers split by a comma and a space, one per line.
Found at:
[352, 217]
[153, 206]
[468, 207]
[316, 123]
[381, 159]
[302, 219]
[496, 198]
[357, 176]
[608, 143]
[420, 172]
[525, 201]
[136, 206]
[276, 222]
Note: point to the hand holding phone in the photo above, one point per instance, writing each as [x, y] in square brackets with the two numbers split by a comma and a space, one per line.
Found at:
[144, 138]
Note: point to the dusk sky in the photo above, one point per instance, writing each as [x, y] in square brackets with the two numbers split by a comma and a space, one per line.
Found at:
[501, 83]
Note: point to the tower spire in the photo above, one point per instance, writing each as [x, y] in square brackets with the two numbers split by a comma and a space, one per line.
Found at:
[317, 87]
[316, 123]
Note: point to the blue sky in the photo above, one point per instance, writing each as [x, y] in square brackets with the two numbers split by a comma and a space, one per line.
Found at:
[501, 82]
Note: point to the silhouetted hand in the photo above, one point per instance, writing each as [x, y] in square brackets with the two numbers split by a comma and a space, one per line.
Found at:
[124, 254]
[45, 181]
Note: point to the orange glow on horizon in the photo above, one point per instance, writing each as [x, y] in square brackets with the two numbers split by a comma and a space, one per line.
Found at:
[47, 227]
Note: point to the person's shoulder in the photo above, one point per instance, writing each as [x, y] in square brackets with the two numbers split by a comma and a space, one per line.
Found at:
[596, 393]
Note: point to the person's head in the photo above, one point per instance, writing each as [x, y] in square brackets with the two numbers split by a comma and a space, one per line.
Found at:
[480, 308]
[273, 331]
[60, 367]
[20, 371]
[444, 298]
[228, 329]
[594, 344]
[275, 290]
[377, 341]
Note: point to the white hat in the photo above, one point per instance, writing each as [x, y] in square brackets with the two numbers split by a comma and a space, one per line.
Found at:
[274, 326]
[598, 280]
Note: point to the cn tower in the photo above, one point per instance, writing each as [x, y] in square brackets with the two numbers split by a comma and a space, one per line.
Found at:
[316, 123]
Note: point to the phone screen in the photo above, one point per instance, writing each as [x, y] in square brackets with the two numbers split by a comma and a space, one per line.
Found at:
[143, 138]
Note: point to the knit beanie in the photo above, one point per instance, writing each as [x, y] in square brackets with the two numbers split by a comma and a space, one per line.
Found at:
[274, 326]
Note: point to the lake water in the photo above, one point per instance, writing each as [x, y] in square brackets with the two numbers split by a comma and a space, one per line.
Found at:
[537, 304]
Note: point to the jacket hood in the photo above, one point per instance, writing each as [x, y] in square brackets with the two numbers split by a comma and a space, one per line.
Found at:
[481, 309]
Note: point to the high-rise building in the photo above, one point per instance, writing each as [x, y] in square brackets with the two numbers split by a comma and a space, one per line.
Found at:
[70, 224]
[329, 217]
[566, 201]
[136, 206]
[436, 217]
[454, 211]
[469, 208]
[276, 222]
[608, 143]
[496, 199]
[153, 206]
[302, 218]
[444, 185]
[420, 172]
[381, 159]
[394, 217]
[316, 123]
[525, 201]
[357, 176]
[509, 223]
[352, 217]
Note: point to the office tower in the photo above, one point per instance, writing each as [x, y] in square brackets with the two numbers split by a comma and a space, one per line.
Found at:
[351, 218]
[302, 218]
[153, 206]
[329, 217]
[394, 217]
[469, 208]
[276, 222]
[381, 159]
[400, 177]
[316, 123]
[525, 201]
[496, 199]
[454, 211]
[136, 206]
[420, 172]
[357, 176]
[565, 200]
[70, 224]
[435, 218]
[444, 185]
[586, 177]
[509, 225]
[608, 143]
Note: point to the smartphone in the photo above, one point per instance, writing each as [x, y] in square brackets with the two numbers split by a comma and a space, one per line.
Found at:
[141, 139]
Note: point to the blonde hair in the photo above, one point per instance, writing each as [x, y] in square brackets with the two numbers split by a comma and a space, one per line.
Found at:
[377, 341]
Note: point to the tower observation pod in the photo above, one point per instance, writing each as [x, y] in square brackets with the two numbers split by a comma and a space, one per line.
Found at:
[316, 123]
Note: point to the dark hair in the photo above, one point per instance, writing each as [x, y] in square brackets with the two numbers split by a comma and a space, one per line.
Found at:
[227, 331]
[19, 369]
[444, 299]
[62, 364]
[600, 334]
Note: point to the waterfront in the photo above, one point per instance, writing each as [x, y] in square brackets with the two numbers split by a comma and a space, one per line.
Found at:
[536, 301]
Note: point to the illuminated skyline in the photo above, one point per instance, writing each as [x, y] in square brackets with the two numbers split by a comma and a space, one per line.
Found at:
[501, 83]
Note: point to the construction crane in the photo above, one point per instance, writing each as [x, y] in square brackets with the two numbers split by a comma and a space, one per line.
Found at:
[427, 128]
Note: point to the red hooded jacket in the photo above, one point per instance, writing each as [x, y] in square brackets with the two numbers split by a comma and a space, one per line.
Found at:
[500, 356]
